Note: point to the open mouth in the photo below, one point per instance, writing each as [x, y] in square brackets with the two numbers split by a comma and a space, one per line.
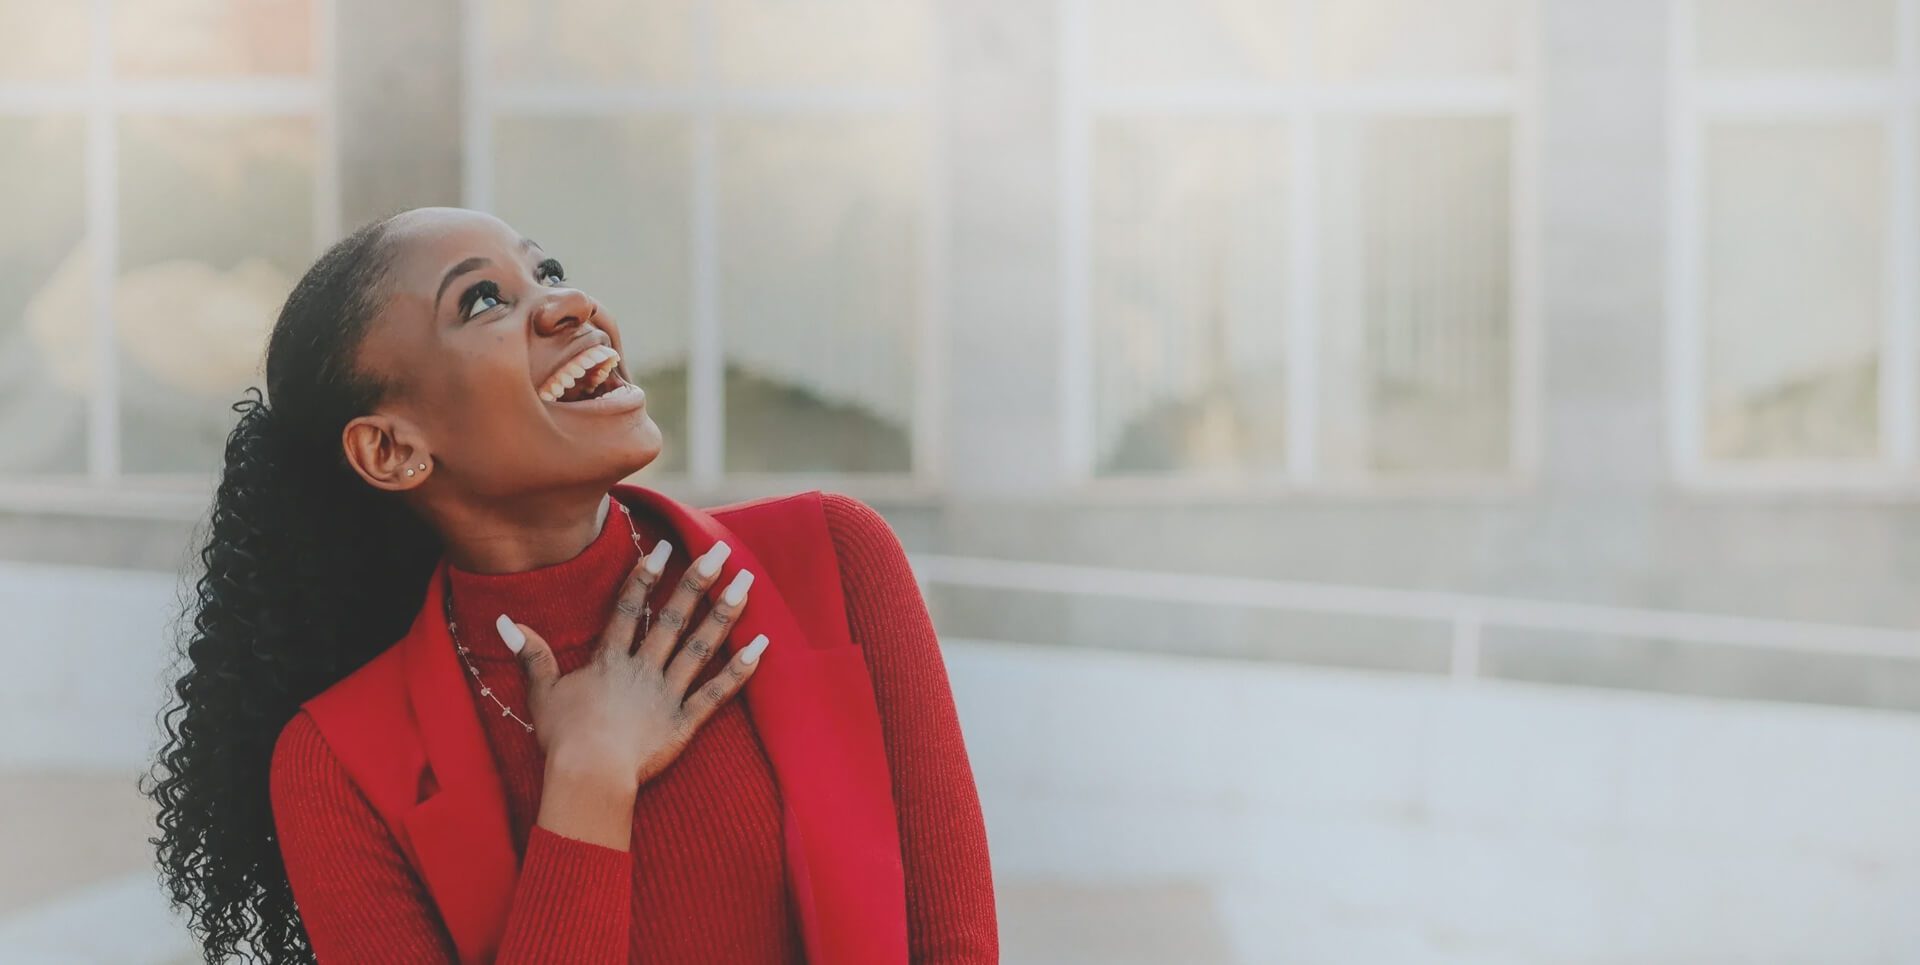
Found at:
[593, 374]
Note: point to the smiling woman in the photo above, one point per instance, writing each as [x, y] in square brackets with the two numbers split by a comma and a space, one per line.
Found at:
[435, 698]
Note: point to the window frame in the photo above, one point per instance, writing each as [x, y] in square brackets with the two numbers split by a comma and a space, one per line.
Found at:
[100, 98]
[704, 101]
[1301, 100]
[1697, 99]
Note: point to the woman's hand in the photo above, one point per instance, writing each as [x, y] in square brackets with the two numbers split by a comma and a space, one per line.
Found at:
[619, 720]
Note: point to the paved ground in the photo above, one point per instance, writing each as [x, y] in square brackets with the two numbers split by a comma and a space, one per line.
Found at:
[83, 858]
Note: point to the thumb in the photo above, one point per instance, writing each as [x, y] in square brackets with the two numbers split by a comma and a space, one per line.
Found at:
[534, 653]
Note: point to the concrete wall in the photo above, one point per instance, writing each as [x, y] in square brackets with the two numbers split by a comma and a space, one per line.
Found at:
[1155, 808]
[1600, 522]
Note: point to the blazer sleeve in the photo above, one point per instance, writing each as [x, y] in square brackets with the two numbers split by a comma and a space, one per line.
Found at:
[943, 836]
[360, 901]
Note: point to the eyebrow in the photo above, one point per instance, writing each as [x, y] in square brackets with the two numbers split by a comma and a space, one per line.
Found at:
[456, 271]
[471, 264]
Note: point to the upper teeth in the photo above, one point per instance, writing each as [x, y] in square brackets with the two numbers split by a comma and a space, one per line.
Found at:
[599, 360]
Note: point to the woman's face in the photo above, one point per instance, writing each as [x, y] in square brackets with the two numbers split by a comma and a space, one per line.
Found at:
[501, 376]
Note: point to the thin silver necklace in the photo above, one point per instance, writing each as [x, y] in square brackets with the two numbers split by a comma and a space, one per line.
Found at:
[453, 630]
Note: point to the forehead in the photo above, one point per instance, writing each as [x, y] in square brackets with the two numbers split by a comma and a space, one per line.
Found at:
[427, 242]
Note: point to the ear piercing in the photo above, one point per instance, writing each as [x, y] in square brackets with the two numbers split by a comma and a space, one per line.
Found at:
[422, 468]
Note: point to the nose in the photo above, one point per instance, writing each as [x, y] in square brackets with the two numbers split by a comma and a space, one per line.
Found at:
[561, 309]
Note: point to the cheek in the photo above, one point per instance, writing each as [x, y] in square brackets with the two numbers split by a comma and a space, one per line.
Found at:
[484, 399]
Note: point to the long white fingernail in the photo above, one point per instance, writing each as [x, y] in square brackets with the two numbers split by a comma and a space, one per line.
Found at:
[511, 634]
[657, 559]
[710, 563]
[751, 652]
[737, 590]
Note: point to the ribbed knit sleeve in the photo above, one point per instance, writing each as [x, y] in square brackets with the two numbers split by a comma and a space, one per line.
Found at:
[950, 903]
[360, 901]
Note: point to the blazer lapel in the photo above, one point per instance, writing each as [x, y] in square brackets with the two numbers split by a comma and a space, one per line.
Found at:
[811, 703]
[459, 834]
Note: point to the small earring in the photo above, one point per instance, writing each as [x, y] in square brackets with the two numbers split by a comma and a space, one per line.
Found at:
[409, 472]
[423, 467]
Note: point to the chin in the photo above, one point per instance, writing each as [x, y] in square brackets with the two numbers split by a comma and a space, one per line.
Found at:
[630, 451]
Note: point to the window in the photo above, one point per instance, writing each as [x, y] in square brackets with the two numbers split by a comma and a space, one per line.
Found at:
[129, 325]
[1793, 308]
[751, 189]
[1296, 239]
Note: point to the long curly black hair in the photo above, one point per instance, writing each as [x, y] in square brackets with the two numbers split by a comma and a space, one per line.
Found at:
[307, 573]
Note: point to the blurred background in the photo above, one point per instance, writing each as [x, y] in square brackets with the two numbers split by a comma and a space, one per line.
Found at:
[1397, 480]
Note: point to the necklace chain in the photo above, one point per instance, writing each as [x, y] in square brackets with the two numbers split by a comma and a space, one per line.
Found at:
[453, 630]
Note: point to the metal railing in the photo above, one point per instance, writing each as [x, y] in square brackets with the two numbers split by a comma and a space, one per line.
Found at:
[1466, 615]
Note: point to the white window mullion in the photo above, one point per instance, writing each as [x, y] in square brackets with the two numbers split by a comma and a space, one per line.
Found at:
[926, 442]
[1899, 364]
[1526, 393]
[1080, 435]
[103, 233]
[1302, 262]
[477, 109]
[706, 354]
[326, 111]
[1684, 371]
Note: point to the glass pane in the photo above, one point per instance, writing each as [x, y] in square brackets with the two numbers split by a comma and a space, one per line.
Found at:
[1795, 240]
[45, 41]
[46, 296]
[1416, 332]
[197, 294]
[202, 38]
[821, 236]
[1189, 295]
[776, 42]
[1385, 39]
[1758, 35]
[614, 207]
[592, 41]
[1145, 42]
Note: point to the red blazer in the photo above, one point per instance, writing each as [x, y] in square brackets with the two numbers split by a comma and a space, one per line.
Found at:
[405, 728]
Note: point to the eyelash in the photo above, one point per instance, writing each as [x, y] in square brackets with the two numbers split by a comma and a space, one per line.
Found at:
[549, 268]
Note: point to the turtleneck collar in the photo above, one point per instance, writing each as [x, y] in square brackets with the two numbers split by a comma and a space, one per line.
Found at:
[567, 602]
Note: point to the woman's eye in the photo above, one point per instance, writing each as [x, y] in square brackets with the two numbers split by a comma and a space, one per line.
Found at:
[481, 304]
[550, 273]
[480, 298]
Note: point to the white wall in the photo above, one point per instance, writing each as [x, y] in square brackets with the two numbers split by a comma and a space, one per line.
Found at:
[1318, 815]
[1339, 816]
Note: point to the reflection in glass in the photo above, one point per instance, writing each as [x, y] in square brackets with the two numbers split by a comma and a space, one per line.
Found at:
[1146, 42]
[610, 199]
[592, 41]
[199, 286]
[771, 43]
[1416, 332]
[821, 243]
[1385, 39]
[1188, 303]
[209, 38]
[46, 304]
[45, 41]
[1782, 35]
[1793, 296]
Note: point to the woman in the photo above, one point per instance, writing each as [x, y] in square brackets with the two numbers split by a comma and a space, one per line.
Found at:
[440, 465]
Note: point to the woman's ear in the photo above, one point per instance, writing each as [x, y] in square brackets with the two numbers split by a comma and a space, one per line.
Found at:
[386, 452]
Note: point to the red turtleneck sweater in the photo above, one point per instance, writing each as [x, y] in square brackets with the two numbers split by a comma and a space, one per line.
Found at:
[703, 880]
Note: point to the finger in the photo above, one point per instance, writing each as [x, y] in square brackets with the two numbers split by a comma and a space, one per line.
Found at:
[542, 669]
[706, 637]
[616, 639]
[703, 702]
[669, 621]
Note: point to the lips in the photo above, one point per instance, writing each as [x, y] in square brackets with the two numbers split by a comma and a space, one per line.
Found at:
[591, 380]
[587, 375]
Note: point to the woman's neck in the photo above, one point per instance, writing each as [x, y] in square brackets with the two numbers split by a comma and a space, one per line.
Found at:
[522, 535]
